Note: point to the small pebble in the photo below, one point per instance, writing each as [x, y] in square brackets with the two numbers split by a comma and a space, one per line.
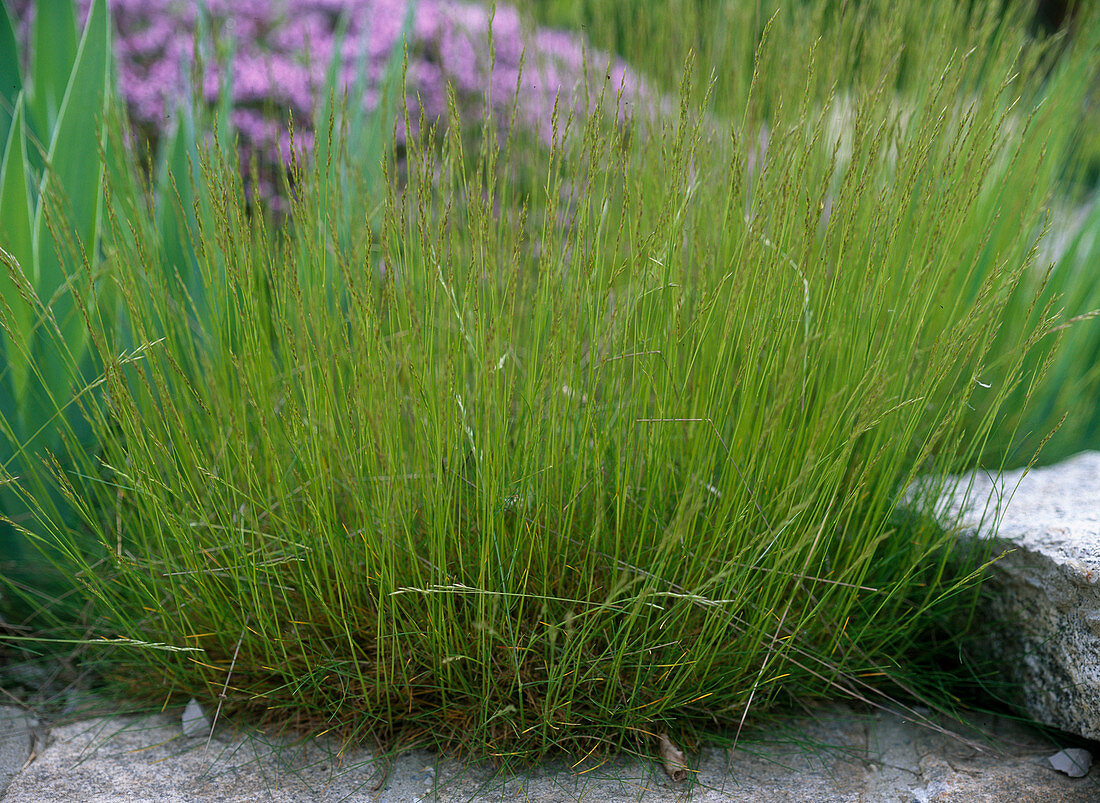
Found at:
[1073, 761]
[194, 721]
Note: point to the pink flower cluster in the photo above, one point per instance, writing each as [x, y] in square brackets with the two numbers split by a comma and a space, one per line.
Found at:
[283, 50]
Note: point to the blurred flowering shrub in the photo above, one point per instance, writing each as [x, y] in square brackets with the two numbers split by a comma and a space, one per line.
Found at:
[281, 50]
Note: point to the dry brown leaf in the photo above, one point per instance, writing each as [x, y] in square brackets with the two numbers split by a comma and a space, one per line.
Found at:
[673, 759]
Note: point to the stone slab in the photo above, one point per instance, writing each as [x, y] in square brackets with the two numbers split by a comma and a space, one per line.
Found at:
[837, 755]
[1041, 611]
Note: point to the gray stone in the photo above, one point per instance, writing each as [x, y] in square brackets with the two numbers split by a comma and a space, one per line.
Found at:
[1073, 761]
[1040, 614]
[17, 729]
[194, 721]
[836, 755]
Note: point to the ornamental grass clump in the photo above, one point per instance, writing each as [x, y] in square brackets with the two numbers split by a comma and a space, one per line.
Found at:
[1060, 410]
[585, 445]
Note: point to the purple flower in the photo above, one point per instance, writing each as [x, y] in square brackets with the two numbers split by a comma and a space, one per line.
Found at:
[283, 50]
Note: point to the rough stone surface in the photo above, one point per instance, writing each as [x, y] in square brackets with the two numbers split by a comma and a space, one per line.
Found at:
[1042, 609]
[16, 742]
[837, 754]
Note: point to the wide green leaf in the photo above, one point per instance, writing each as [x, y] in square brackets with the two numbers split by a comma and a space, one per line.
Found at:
[54, 51]
[11, 80]
[326, 146]
[222, 51]
[16, 237]
[75, 180]
[175, 204]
